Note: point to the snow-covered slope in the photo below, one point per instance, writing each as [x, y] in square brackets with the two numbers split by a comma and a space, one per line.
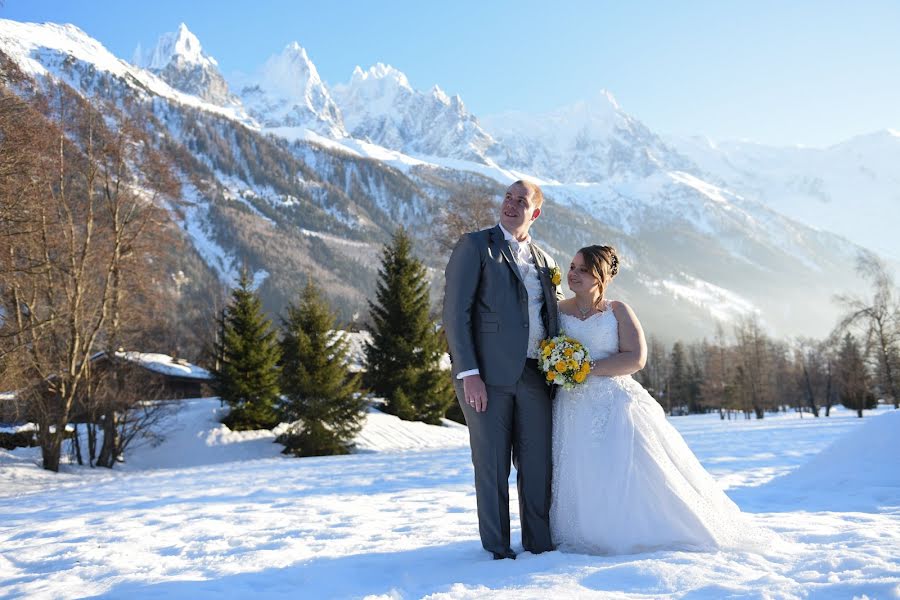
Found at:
[194, 436]
[848, 475]
[588, 141]
[852, 188]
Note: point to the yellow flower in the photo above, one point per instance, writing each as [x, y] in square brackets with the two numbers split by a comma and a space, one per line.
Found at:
[555, 276]
[560, 366]
[551, 375]
[568, 352]
[580, 376]
[572, 364]
[585, 367]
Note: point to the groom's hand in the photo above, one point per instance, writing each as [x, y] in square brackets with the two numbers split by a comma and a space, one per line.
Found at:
[476, 394]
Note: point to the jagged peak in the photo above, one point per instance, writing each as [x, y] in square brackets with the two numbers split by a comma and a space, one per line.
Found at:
[380, 71]
[294, 49]
[441, 95]
[291, 71]
[287, 90]
[608, 96]
[293, 62]
[181, 45]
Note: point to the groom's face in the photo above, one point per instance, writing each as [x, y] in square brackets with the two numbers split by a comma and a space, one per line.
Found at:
[519, 208]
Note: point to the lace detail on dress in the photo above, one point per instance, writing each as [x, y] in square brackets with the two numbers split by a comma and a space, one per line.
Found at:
[599, 419]
[624, 480]
[599, 332]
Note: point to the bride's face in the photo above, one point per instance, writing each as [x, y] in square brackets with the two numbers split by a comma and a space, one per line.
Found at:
[581, 277]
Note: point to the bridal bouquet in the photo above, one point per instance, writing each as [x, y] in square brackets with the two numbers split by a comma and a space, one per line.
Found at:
[564, 361]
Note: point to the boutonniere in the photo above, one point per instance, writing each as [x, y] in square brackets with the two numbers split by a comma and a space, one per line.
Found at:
[555, 276]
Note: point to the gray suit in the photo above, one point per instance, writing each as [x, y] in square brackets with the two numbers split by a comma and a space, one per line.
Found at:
[486, 323]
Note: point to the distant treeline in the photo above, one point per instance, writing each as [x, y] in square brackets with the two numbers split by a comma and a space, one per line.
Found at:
[747, 372]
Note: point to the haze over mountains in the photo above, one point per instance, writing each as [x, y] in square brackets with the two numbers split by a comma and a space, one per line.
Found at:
[295, 177]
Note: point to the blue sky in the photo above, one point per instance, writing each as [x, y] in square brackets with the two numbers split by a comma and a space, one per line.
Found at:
[788, 72]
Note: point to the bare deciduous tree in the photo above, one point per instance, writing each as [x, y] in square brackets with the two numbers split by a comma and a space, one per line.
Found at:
[465, 212]
[878, 319]
[79, 217]
[718, 367]
[754, 373]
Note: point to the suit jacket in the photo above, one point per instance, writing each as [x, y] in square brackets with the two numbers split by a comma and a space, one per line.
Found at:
[486, 306]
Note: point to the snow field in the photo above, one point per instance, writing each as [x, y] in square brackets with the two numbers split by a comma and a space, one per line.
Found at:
[229, 517]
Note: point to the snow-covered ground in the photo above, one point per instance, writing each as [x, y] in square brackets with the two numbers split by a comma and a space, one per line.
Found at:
[213, 513]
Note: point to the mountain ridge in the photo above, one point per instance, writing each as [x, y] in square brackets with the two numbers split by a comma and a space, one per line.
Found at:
[284, 199]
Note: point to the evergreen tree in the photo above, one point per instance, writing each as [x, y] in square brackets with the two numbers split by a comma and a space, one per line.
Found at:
[678, 379]
[404, 355]
[321, 396]
[655, 375]
[695, 385]
[248, 354]
[854, 388]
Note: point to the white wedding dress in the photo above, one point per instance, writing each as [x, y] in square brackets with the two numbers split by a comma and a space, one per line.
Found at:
[624, 481]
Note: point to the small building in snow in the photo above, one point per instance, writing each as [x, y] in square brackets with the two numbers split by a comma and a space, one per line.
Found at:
[116, 378]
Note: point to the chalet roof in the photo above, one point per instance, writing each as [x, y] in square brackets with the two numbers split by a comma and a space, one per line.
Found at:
[164, 364]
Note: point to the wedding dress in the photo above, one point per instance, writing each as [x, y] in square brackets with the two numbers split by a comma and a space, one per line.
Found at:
[624, 481]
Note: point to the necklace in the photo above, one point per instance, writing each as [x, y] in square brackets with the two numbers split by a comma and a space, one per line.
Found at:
[584, 313]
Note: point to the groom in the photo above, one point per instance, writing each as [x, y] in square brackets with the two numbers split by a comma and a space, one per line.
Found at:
[499, 303]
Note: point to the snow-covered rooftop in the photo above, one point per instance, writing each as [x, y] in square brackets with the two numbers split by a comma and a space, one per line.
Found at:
[165, 364]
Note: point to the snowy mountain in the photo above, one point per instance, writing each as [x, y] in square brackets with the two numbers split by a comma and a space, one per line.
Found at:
[381, 107]
[311, 184]
[852, 188]
[179, 60]
[589, 141]
[246, 197]
[66, 53]
[288, 92]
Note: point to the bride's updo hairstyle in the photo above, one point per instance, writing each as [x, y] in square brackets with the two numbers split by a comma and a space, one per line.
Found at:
[603, 262]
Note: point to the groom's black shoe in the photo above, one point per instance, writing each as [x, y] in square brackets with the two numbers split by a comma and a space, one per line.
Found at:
[501, 555]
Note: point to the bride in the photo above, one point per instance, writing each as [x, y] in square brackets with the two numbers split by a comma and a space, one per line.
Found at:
[624, 481]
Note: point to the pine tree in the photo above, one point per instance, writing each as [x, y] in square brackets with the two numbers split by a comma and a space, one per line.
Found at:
[248, 355]
[321, 394]
[678, 379]
[695, 384]
[854, 388]
[404, 355]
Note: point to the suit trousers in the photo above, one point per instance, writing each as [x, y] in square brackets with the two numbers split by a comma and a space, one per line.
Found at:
[517, 423]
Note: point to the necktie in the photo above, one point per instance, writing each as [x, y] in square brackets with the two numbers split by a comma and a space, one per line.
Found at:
[520, 254]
